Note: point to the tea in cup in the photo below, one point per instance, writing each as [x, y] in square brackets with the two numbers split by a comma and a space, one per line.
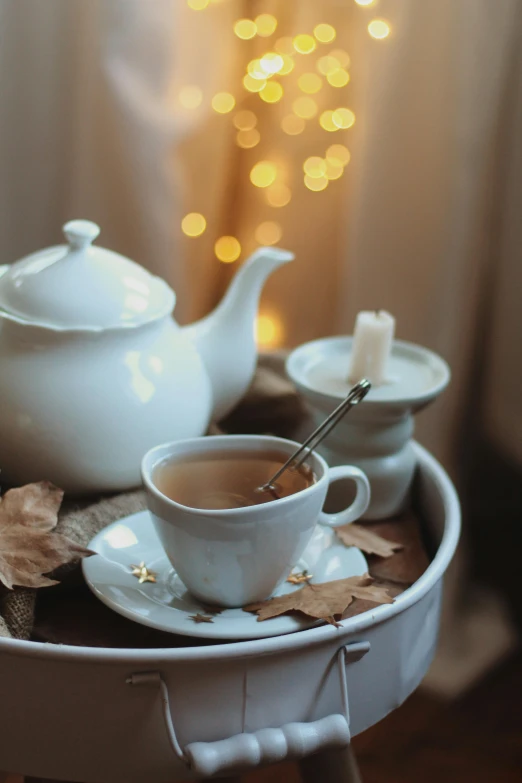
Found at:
[230, 543]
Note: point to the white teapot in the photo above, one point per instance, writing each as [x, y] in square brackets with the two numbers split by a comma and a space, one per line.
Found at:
[94, 371]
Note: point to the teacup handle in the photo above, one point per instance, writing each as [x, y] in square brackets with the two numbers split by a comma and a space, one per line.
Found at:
[362, 498]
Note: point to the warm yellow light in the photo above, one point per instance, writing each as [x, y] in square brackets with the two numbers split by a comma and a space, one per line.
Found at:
[223, 102]
[266, 25]
[271, 92]
[315, 183]
[268, 233]
[304, 44]
[338, 78]
[278, 194]
[310, 82]
[333, 170]
[293, 125]
[271, 63]
[324, 33]
[245, 29]
[253, 85]
[326, 121]
[190, 96]
[197, 5]
[288, 65]
[245, 120]
[255, 69]
[227, 249]
[269, 330]
[343, 118]
[305, 108]
[328, 64]
[342, 57]
[193, 224]
[364, 2]
[378, 28]
[263, 174]
[315, 167]
[338, 155]
[248, 138]
[284, 45]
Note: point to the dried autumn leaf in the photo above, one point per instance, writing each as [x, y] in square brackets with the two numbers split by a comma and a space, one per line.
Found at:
[366, 540]
[322, 601]
[29, 546]
[410, 563]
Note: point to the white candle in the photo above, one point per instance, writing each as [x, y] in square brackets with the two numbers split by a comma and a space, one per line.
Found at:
[371, 346]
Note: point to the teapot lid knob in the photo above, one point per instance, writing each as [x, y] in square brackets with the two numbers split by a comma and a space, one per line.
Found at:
[80, 233]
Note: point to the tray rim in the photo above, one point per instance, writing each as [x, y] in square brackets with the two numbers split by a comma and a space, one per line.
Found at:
[311, 637]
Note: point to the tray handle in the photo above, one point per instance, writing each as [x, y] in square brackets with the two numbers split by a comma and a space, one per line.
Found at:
[265, 746]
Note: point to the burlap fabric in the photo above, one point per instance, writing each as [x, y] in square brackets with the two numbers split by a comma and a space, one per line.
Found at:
[271, 405]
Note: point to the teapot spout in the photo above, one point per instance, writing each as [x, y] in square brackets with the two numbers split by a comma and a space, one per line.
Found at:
[225, 339]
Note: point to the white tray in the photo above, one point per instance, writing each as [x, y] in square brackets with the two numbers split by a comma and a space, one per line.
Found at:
[89, 714]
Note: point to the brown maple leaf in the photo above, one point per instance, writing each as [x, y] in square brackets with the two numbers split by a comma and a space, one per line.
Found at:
[322, 601]
[366, 540]
[29, 545]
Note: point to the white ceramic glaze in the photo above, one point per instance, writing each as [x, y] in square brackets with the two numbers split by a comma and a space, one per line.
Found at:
[376, 435]
[232, 557]
[218, 691]
[168, 606]
[82, 287]
[95, 371]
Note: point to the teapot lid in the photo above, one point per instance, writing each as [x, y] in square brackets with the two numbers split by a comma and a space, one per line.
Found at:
[81, 287]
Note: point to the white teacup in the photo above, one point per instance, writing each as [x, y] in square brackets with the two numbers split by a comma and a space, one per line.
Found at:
[233, 557]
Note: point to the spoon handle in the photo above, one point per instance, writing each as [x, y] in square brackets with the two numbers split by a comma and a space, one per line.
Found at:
[356, 394]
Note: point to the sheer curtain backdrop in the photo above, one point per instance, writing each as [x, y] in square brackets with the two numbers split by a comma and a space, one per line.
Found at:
[423, 222]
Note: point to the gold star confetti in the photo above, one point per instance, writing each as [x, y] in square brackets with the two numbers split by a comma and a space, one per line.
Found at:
[142, 573]
[201, 618]
[299, 578]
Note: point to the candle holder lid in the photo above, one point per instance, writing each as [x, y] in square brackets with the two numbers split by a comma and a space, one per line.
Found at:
[416, 375]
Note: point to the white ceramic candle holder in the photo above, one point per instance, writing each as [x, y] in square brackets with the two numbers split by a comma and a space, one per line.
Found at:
[375, 435]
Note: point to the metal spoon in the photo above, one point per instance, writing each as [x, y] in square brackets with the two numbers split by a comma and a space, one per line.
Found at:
[355, 395]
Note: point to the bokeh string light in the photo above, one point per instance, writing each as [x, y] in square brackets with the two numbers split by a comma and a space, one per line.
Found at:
[246, 139]
[338, 78]
[190, 96]
[379, 29]
[278, 194]
[245, 120]
[305, 107]
[293, 125]
[198, 5]
[263, 174]
[310, 83]
[269, 330]
[321, 74]
[223, 102]
[245, 29]
[324, 33]
[193, 224]
[266, 25]
[326, 121]
[305, 44]
[268, 233]
[338, 154]
[227, 249]
[272, 92]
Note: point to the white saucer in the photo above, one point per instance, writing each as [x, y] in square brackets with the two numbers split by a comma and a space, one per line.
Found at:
[167, 605]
